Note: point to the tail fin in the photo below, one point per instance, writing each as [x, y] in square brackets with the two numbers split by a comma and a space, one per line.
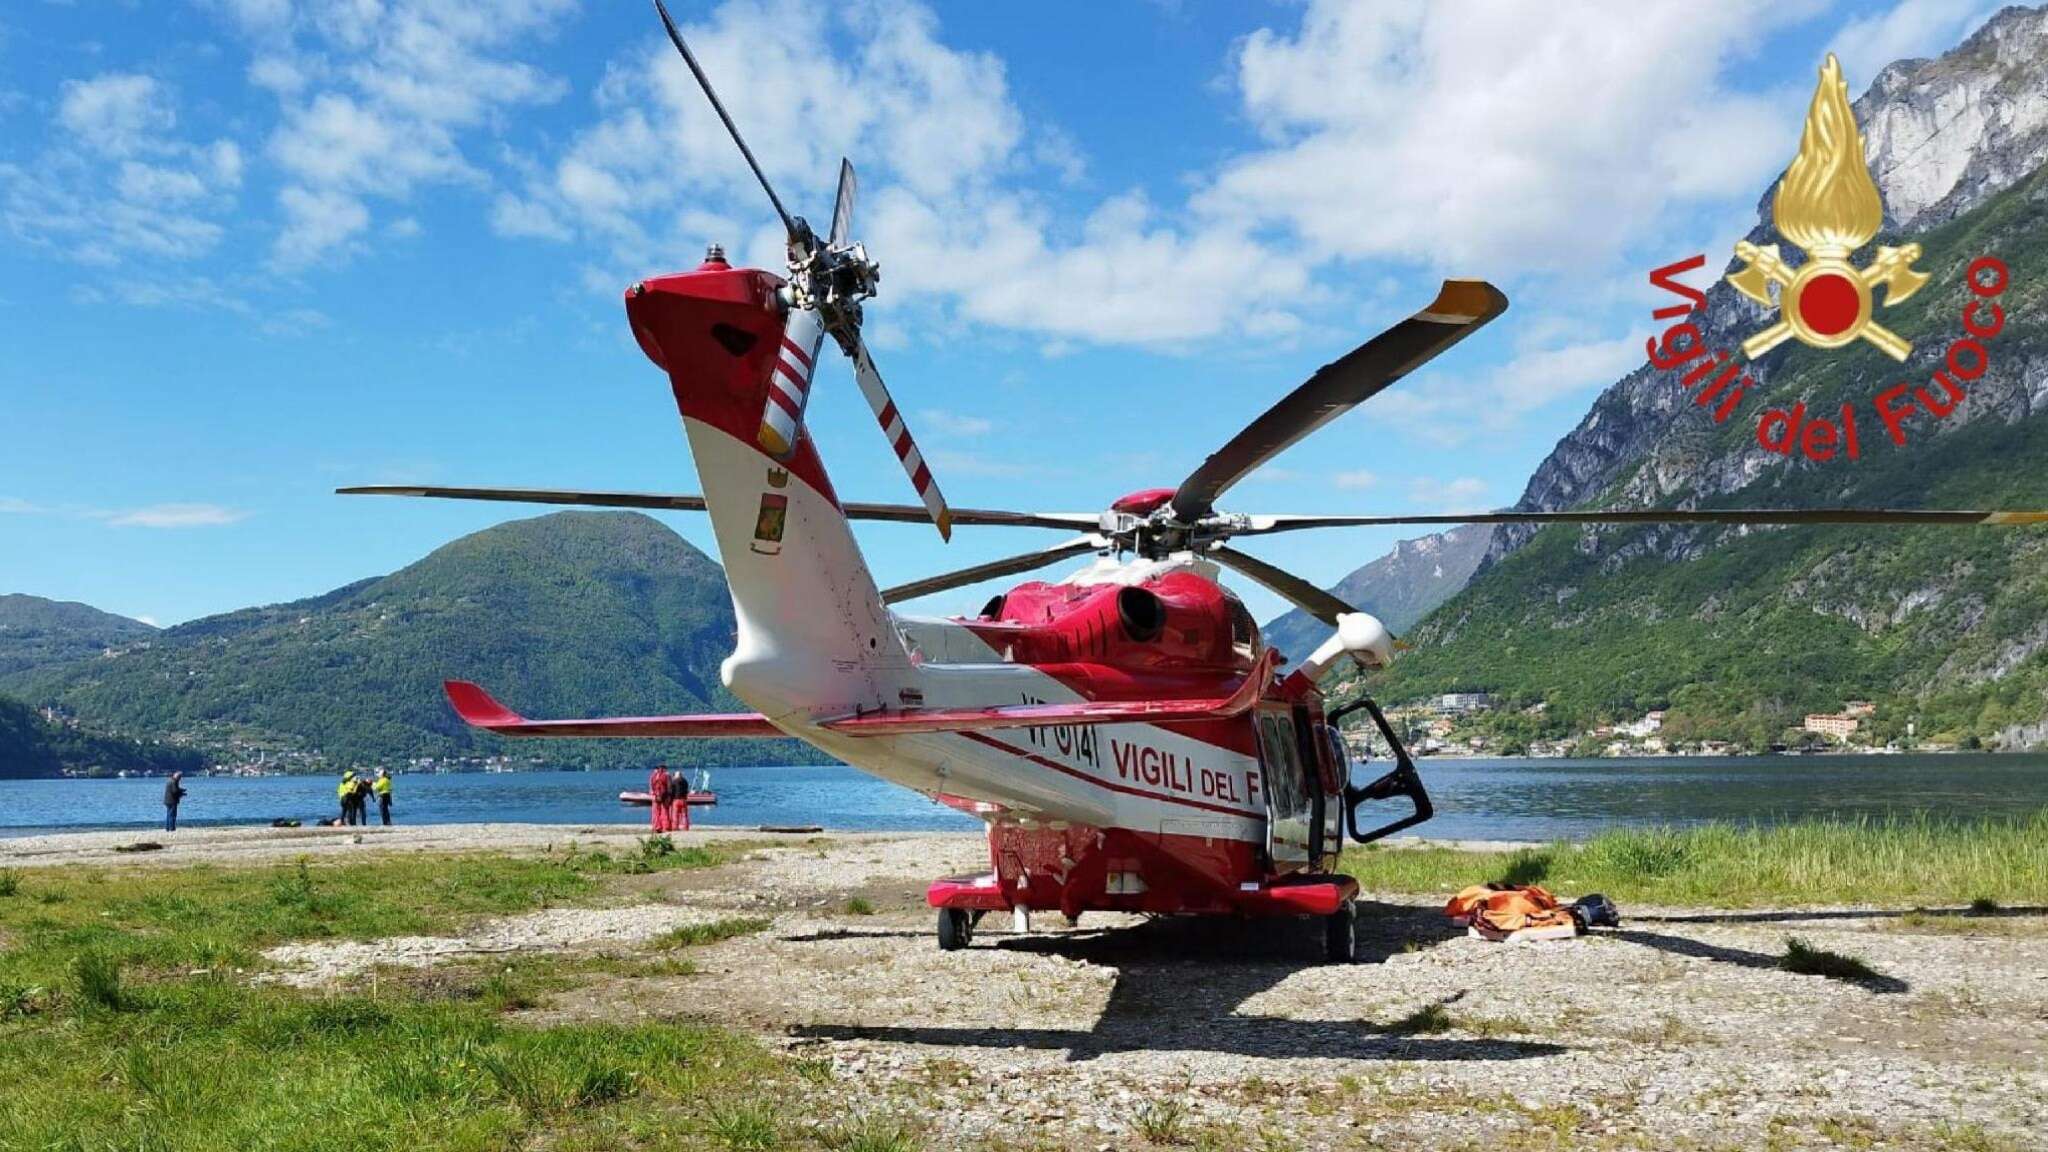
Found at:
[814, 637]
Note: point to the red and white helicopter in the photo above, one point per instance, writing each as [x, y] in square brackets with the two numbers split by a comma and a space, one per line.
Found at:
[1122, 730]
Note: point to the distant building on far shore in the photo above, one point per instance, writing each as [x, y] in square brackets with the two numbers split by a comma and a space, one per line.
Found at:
[1462, 702]
[1840, 727]
[1857, 709]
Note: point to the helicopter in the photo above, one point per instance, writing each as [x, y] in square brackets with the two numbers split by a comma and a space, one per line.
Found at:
[1123, 731]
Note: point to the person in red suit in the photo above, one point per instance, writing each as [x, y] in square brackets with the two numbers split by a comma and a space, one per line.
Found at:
[658, 785]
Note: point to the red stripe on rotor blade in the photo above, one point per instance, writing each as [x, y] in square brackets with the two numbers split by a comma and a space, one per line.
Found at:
[784, 401]
[922, 478]
[790, 370]
[887, 415]
[790, 346]
[903, 447]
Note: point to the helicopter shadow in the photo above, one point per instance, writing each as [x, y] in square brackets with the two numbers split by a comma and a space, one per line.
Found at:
[1181, 981]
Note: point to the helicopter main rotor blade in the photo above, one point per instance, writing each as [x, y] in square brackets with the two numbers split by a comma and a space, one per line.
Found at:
[675, 37]
[658, 501]
[1460, 308]
[1261, 525]
[842, 207]
[1302, 594]
[1009, 565]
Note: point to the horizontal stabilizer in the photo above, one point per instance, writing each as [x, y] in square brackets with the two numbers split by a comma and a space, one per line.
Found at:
[478, 709]
[911, 721]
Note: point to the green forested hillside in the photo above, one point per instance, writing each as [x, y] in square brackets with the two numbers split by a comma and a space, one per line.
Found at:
[35, 631]
[1739, 632]
[574, 614]
[29, 748]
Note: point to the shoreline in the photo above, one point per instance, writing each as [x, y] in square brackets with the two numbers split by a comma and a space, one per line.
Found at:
[261, 844]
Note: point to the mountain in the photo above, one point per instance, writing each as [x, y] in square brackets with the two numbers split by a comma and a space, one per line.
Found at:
[31, 746]
[35, 631]
[573, 614]
[1400, 588]
[1740, 631]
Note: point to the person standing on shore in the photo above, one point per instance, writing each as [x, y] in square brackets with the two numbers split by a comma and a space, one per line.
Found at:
[174, 791]
[382, 787]
[346, 792]
[679, 802]
[658, 785]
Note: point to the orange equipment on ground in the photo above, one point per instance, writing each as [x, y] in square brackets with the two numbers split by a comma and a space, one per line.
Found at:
[1511, 912]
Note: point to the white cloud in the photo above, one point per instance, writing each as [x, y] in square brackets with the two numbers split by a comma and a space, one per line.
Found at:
[17, 505]
[952, 423]
[176, 516]
[378, 100]
[1356, 480]
[1910, 28]
[1463, 494]
[944, 156]
[1532, 138]
[115, 114]
[115, 184]
[1452, 410]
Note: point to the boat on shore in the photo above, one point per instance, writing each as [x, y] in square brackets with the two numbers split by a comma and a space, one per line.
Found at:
[646, 799]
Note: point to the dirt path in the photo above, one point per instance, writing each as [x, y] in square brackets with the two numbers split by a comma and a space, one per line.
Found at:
[1678, 1030]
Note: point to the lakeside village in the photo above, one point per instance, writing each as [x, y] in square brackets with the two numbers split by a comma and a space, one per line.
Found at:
[242, 754]
[1470, 724]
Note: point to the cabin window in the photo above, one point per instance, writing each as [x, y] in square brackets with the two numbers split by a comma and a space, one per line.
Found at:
[1244, 631]
[1285, 781]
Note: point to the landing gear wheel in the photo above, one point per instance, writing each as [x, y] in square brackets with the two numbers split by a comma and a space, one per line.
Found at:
[1340, 934]
[955, 929]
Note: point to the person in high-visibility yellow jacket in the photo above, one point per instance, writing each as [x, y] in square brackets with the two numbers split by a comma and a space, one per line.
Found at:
[346, 793]
[382, 787]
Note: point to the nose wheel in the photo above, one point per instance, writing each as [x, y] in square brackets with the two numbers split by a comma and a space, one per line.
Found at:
[1340, 934]
[956, 929]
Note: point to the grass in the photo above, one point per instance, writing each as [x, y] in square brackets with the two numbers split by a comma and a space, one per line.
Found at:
[1912, 861]
[127, 1019]
[694, 935]
[10, 883]
[860, 906]
[1806, 960]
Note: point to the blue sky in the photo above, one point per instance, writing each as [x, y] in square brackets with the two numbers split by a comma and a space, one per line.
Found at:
[253, 249]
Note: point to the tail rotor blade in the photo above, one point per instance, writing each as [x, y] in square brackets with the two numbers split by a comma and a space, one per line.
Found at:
[676, 37]
[842, 208]
[898, 432]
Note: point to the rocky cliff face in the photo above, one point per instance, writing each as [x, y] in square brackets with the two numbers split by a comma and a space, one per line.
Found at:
[1942, 137]
[1739, 631]
[1400, 587]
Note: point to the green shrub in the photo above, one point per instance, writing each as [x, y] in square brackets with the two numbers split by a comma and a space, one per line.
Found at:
[1807, 960]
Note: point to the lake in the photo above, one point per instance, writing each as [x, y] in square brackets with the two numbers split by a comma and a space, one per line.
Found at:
[1475, 799]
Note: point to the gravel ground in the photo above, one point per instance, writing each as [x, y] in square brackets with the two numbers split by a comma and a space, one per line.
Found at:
[1679, 1030]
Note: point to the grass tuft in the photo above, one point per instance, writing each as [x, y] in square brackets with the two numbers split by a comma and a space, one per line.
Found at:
[869, 1134]
[10, 882]
[1984, 906]
[1164, 1122]
[711, 932]
[743, 1126]
[1806, 960]
[1429, 1020]
[98, 976]
[860, 906]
